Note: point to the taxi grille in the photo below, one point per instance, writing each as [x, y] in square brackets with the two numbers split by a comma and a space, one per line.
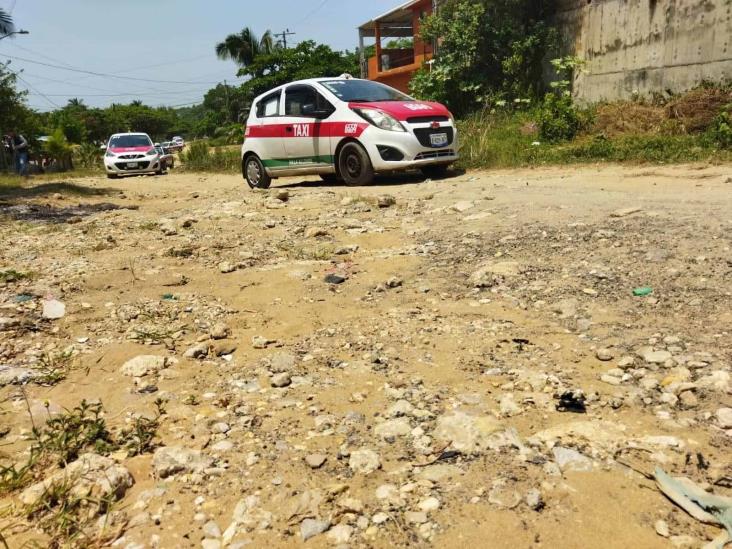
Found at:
[140, 166]
[435, 154]
[427, 119]
[130, 156]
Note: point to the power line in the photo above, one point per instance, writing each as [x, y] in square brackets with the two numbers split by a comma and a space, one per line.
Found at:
[105, 75]
[35, 90]
[316, 10]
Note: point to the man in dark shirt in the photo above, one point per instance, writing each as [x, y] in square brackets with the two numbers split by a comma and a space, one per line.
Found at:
[20, 153]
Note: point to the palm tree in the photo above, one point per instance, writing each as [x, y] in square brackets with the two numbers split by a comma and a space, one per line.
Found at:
[243, 47]
[6, 23]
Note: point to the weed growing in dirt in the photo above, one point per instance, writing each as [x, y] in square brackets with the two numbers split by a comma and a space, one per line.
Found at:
[54, 367]
[140, 437]
[12, 275]
[66, 436]
[65, 515]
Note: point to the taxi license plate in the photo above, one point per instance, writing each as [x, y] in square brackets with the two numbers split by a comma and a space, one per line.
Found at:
[438, 139]
[132, 164]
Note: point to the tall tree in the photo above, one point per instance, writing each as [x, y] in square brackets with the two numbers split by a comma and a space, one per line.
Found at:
[245, 46]
[6, 23]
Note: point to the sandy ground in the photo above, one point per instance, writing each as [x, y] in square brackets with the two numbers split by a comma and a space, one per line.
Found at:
[467, 308]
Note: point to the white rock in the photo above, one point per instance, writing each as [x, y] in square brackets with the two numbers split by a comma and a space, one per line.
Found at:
[571, 460]
[466, 433]
[143, 365]
[724, 418]
[340, 533]
[364, 461]
[211, 529]
[429, 504]
[53, 309]
[310, 528]
[170, 460]
[462, 206]
[508, 406]
[393, 428]
[225, 267]
[90, 476]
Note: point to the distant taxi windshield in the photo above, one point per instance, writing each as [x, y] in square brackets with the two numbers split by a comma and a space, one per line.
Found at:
[363, 91]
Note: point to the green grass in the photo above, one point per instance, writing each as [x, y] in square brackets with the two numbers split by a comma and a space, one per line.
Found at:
[199, 157]
[509, 140]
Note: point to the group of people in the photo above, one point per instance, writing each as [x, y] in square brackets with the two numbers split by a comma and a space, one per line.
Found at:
[16, 145]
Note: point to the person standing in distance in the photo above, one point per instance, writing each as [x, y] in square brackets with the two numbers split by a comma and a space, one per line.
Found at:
[20, 153]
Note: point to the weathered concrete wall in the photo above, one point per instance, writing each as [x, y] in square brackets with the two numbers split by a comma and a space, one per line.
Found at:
[647, 46]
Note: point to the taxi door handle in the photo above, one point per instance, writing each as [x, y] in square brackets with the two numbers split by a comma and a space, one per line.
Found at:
[288, 129]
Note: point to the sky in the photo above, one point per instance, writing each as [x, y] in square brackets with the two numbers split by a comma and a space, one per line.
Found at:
[158, 40]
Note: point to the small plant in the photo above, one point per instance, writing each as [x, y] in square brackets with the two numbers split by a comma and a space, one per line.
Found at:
[88, 155]
[54, 367]
[67, 435]
[65, 515]
[139, 439]
[12, 275]
[559, 117]
[720, 131]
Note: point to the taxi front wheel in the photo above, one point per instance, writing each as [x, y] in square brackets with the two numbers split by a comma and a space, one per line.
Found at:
[255, 174]
[354, 165]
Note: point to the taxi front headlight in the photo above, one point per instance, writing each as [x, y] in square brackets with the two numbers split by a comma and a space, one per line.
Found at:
[380, 119]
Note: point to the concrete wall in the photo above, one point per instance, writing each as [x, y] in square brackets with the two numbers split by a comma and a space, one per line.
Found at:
[646, 46]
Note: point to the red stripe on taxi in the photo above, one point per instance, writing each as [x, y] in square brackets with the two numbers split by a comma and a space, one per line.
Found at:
[307, 129]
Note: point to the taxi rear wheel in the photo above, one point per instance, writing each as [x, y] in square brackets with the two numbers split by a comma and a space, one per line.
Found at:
[255, 174]
[354, 165]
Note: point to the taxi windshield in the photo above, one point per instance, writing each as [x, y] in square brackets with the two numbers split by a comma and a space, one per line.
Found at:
[363, 91]
[126, 141]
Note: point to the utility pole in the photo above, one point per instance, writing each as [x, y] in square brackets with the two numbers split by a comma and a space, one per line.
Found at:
[284, 34]
[226, 91]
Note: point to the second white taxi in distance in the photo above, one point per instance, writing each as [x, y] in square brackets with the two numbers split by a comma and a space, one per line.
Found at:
[344, 129]
[132, 153]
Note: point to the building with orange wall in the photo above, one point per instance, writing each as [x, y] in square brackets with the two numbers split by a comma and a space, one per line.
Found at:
[396, 66]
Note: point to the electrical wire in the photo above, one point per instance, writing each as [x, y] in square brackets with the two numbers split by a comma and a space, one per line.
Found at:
[105, 75]
[35, 90]
[316, 10]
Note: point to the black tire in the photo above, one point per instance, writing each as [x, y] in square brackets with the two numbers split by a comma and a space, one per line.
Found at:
[330, 178]
[254, 172]
[435, 172]
[354, 165]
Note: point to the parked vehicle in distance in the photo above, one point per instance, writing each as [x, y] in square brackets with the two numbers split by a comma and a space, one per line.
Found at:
[131, 153]
[177, 143]
[166, 155]
[344, 129]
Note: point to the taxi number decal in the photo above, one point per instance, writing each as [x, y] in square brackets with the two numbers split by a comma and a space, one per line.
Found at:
[417, 107]
[302, 130]
[351, 129]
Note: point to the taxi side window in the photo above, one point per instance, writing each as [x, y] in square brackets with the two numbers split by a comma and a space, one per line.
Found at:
[306, 102]
[269, 106]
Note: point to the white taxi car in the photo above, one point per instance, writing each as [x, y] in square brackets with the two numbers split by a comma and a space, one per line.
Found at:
[344, 129]
[132, 153]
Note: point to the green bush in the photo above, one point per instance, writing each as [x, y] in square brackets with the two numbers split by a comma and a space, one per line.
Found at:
[721, 130]
[559, 118]
[199, 157]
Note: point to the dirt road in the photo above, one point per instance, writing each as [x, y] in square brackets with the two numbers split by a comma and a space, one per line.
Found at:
[368, 367]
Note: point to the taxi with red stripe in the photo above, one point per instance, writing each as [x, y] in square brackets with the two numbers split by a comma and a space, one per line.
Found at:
[344, 129]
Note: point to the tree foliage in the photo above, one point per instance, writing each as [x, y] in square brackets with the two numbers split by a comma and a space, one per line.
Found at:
[306, 60]
[244, 47]
[6, 22]
[488, 49]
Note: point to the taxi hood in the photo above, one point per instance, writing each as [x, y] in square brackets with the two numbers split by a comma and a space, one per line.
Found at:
[403, 110]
